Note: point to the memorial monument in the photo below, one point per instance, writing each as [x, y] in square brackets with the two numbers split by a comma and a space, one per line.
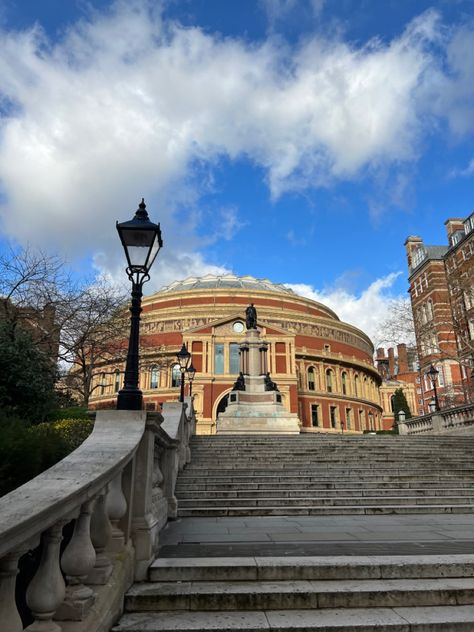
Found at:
[255, 403]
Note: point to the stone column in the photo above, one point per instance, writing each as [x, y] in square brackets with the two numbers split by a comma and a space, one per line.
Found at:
[47, 588]
[77, 562]
[9, 617]
[253, 341]
[101, 532]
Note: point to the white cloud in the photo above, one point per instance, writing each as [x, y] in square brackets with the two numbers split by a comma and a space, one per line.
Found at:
[127, 105]
[463, 173]
[367, 310]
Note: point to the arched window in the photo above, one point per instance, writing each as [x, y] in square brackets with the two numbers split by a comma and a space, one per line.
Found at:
[344, 382]
[117, 380]
[154, 377]
[102, 383]
[311, 380]
[366, 395]
[391, 403]
[175, 376]
[356, 385]
[329, 380]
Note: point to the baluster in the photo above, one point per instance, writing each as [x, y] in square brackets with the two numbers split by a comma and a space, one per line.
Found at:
[101, 531]
[9, 617]
[77, 562]
[116, 504]
[47, 589]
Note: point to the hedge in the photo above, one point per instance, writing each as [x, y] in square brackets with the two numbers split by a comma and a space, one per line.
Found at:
[26, 451]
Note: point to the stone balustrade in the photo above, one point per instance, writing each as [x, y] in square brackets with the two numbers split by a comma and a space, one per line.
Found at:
[459, 419]
[114, 494]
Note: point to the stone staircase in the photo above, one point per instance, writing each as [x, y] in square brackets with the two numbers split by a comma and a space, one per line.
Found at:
[311, 475]
[320, 474]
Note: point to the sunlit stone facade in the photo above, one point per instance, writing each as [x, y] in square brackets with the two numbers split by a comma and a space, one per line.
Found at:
[322, 366]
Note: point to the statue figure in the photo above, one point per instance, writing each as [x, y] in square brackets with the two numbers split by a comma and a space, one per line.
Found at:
[239, 383]
[270, 385]
[251, 317]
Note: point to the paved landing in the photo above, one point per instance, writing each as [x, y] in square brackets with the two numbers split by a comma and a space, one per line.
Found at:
[319, 535]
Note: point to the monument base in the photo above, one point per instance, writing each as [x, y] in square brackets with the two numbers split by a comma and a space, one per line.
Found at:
[256, 412]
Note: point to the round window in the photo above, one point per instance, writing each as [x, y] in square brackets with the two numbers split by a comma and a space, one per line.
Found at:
[238, 327]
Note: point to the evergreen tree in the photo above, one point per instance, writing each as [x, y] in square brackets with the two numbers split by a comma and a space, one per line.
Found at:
[400, 403]
[27, 376]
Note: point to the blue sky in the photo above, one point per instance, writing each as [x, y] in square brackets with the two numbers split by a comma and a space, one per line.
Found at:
[296, 140]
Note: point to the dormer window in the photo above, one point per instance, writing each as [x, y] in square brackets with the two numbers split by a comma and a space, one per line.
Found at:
[418, 256]
[456, 237]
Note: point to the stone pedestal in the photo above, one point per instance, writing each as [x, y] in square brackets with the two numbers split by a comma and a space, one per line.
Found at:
[256, 410]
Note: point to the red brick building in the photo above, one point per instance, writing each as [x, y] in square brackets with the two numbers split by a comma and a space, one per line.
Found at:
[442, 298]
[323, 367]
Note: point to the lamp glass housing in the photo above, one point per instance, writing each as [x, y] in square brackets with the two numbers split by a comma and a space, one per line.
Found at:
[141, 240]
[183, 357]
[191, 371]
[433, 372]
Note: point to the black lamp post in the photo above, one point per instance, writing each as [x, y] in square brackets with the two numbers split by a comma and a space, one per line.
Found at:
[433, 373]
[184, 357]
[191, 371]
[141, 240]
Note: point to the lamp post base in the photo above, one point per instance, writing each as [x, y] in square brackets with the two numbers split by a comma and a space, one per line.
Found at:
[130, 399]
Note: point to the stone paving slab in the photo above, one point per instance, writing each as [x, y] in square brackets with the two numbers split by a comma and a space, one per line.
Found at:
[241, 549]
[193, 622]
[430, 619]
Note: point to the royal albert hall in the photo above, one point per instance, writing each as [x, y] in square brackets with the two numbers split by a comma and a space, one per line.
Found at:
[322, 366]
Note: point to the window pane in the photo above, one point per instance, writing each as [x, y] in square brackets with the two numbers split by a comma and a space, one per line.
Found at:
[175, 376]
[234, 363]
[219, 359]
[154, 377]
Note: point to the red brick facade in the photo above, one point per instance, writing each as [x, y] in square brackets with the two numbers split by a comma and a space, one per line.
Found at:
[323, 367]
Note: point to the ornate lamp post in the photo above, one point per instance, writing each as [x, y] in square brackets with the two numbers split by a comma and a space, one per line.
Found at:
[184, 357]
[191, 371]
[141, 240]
[433, 373]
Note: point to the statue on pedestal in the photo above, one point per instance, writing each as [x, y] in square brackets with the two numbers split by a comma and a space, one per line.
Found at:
[270, 385]
[251, 317]
[239, 383]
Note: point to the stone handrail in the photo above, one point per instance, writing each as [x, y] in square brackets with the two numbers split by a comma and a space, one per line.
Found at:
[440, 422]
[117, 492]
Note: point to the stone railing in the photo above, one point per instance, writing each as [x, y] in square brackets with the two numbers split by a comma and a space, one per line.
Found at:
[113, 494]
[441, 422]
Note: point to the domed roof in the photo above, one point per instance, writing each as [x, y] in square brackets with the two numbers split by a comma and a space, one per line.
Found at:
[226, 281]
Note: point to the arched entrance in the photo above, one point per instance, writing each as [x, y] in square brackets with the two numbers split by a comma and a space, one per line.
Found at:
[222, 405]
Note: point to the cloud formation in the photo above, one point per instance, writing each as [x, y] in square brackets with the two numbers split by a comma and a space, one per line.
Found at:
[127, 102]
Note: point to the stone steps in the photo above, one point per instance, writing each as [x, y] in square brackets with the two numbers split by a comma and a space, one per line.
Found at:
[310, 475]
[255, 489]
[318, 510]
[315, 475]
[346, 594]
[421, 619]
[339, 501]
[392, 492]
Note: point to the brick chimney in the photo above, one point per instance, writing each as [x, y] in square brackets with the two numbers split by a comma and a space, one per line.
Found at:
[391, 363]
[453, 224]
[412, 243]
[402, 358]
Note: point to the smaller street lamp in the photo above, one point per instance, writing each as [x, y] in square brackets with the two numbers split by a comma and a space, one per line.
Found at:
[191, 371]
[433, 373]
[183, 357]
[141, 241]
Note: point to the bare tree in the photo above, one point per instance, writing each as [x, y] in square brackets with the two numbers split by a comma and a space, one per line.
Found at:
[93, 336]
[33, 286]
[399, 326]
